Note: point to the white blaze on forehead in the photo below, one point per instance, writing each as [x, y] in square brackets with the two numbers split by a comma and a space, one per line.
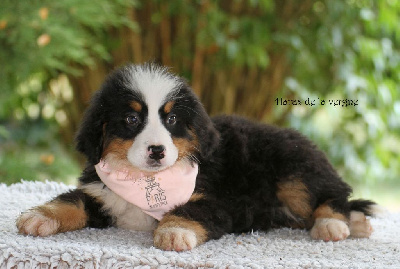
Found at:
[155, 84]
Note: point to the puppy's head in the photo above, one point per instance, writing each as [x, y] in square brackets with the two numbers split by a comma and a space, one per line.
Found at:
[146, 118]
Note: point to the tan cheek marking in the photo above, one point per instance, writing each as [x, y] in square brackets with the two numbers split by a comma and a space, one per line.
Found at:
[136, 106]
[118, 148]
[69, 216]
[168, 106]
[115, 155]
[294, 195]
[171, 221]
[326, 212]
[186, 147]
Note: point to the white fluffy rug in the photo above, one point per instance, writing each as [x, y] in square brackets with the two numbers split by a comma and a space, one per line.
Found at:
[116, 248]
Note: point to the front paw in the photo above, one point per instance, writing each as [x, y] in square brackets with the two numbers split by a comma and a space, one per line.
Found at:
[175, 238]
[37, 224]
[56, 216]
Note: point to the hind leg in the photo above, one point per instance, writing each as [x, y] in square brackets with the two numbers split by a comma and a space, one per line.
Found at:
[359, 225]
[329, 225]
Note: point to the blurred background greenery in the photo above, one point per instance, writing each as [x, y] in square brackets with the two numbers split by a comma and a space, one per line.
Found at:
[242, 57]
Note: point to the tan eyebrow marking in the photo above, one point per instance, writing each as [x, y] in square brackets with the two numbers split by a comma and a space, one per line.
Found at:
[136, 106]
[168, 106]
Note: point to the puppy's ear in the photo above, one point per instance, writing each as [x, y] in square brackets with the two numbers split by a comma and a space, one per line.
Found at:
[207, 134]
[89, 139]
[208, 137]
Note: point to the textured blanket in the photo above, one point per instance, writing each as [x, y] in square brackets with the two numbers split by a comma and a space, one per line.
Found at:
[117, 248]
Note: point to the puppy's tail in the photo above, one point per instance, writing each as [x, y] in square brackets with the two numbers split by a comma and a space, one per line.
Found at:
[369, 208]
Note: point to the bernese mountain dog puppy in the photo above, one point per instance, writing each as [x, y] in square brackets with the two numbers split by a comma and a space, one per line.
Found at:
[157, 162]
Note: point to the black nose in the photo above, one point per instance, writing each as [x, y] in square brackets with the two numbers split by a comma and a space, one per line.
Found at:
[156, 152]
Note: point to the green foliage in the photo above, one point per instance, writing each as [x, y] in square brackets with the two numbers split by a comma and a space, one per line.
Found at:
[243, 39]
[43, 38]
[354, 54]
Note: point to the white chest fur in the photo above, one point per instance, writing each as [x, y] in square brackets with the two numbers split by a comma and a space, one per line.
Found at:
[125, 215]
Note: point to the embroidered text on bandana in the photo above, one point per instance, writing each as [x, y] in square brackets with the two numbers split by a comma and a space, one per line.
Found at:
[155, 194]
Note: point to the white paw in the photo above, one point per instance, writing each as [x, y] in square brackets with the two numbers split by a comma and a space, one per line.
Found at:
[34, 223]
[359, 225]
[330, 230]
[174, 238]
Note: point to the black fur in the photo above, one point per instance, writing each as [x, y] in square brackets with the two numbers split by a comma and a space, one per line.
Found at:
[240, 179]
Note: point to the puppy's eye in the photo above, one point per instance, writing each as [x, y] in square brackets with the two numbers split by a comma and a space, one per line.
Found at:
[171, 120]
[132, 120]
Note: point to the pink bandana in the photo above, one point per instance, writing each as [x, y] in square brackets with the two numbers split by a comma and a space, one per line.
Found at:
[155, 194]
